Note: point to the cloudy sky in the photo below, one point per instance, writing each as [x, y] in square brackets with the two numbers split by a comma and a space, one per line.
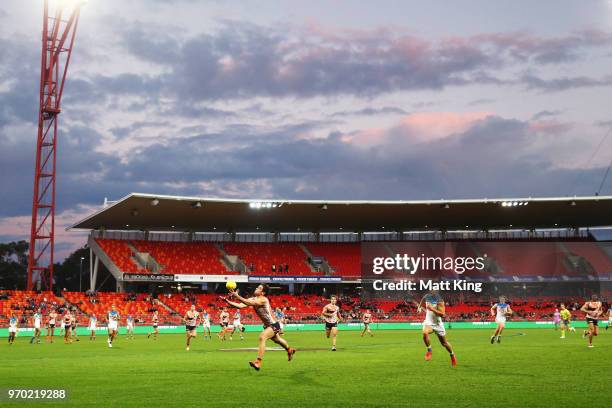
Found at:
[312, 99]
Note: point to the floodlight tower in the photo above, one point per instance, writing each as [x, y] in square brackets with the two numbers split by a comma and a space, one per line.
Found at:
[59, 29]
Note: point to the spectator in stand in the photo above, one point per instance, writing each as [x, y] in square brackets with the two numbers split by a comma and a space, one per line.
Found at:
[273, 268]
[286, 268]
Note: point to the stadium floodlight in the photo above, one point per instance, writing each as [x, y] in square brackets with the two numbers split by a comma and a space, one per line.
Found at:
[197, 204]
[154, 202]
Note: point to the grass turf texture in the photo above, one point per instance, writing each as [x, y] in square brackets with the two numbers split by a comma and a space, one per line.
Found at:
[534, 370]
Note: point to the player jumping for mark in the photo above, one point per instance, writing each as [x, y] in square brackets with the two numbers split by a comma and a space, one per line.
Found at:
[260, 303]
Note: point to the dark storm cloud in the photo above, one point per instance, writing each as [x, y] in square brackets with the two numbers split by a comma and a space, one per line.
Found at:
[80, 170]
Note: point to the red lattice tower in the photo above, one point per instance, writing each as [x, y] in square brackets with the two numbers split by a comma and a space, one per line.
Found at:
[58, 34]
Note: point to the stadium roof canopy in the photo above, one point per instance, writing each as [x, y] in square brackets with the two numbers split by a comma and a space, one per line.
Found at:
[174, 213]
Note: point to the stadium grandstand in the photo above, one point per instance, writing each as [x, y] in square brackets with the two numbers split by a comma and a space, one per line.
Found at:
[166, 253]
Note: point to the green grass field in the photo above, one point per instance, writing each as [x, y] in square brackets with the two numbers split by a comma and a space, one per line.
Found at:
[536, 369]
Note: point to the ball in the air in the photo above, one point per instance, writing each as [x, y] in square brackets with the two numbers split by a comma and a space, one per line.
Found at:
[230, 284]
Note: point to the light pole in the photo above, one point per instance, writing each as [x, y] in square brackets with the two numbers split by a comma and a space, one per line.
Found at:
[81, 273]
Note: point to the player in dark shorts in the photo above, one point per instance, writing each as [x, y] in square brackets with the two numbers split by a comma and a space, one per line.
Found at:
[331, 316]
[191, 323]
[272, 328]
[592, 309]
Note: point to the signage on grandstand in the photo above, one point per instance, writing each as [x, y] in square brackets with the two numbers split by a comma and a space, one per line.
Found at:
[295, 279]
[147, 277]
[210, 278]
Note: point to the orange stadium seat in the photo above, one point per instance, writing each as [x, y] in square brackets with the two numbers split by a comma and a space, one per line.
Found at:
[263, 255]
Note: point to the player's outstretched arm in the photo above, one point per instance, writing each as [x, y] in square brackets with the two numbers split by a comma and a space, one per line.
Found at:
[237, 305]
[248, 302]
[493, 309]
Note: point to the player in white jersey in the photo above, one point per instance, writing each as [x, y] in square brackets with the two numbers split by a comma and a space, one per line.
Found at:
[129, 327]
[237, 325]
[37, 323]
[366, 319]
[155, 323]
[206, 325]
[331, 316]
[435, 310]
[260, 303]
[12, 329]
[500, 311]
[51, 321]
[113, 325]
[191, 320]
[93, 322]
